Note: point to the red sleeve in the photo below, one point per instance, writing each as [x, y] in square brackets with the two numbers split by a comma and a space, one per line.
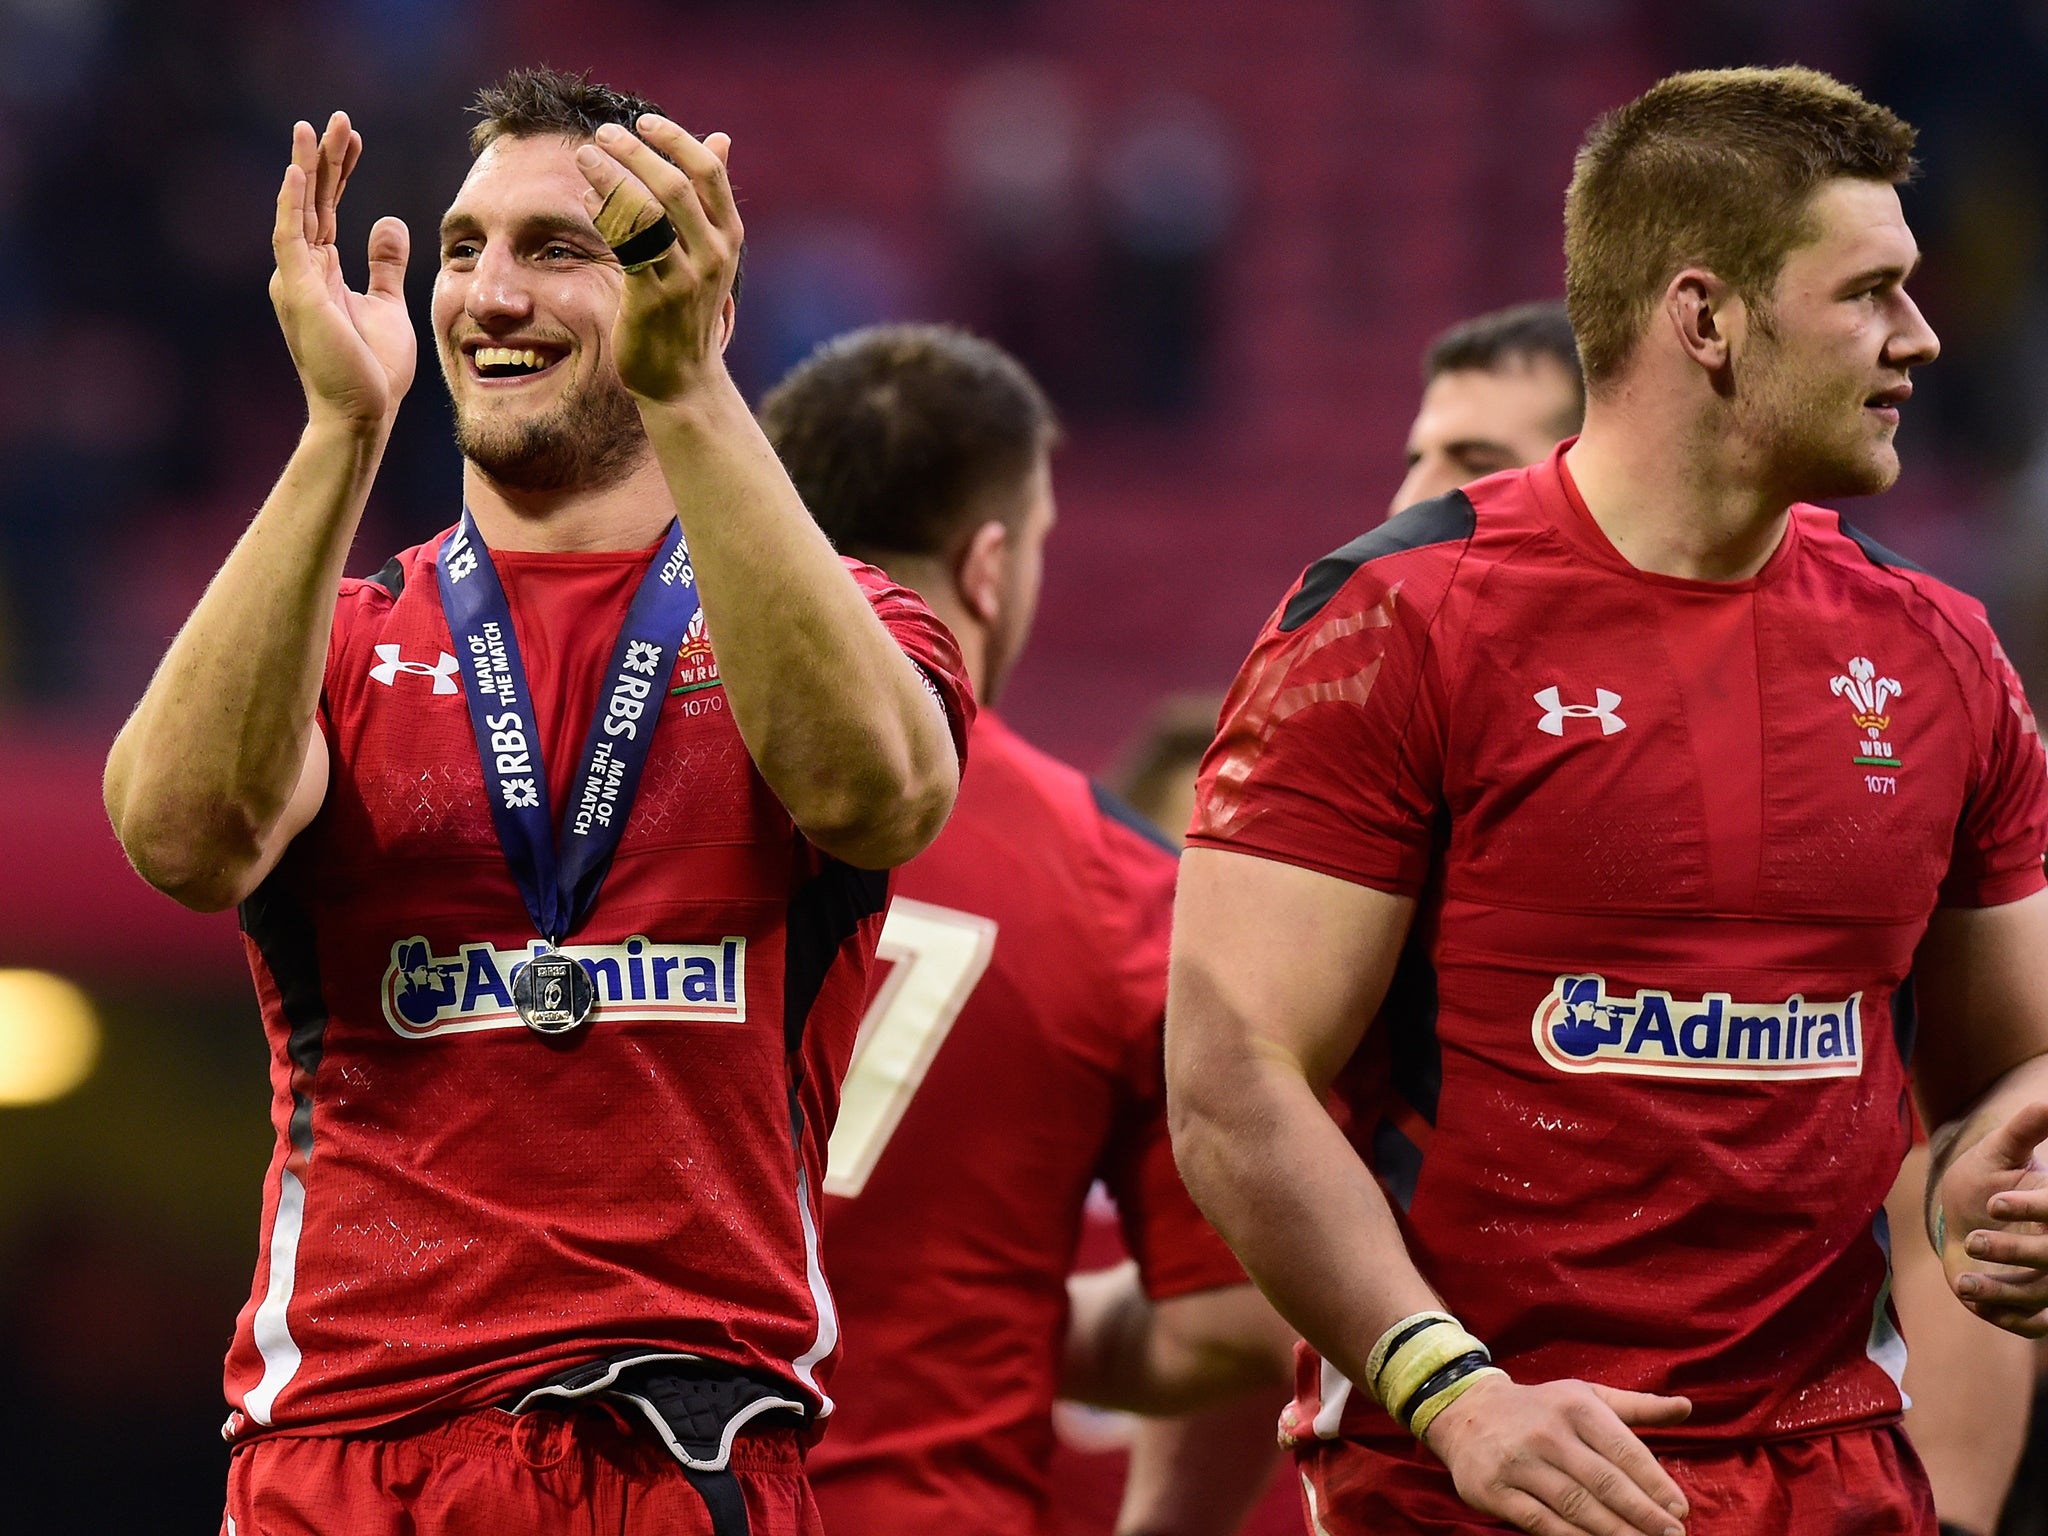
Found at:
[2003, 835]
[1330, 750]
[917, 630]
[1178, 1252]
[356, 598]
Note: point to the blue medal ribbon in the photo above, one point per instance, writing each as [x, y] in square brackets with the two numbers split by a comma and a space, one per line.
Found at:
[559, 880]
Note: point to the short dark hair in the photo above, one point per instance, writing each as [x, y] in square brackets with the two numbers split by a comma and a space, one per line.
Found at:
[530, 103]
[1715, 167]
[543, 102]
[893, 435]
[1520, 334]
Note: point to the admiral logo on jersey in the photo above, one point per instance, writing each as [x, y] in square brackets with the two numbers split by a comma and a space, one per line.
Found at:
[428, 994]
[1581, 1028]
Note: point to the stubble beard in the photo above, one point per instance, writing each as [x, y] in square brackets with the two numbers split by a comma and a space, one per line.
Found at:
[1817, 438]
[592, 439]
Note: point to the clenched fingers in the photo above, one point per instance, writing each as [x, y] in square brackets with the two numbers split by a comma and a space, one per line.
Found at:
[2024, 1250]
[2019, 1205]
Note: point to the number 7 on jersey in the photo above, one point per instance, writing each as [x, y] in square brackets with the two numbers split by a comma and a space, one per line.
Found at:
[938, 956]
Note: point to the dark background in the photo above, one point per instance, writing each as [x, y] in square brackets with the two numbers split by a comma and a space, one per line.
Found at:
[1221, 232]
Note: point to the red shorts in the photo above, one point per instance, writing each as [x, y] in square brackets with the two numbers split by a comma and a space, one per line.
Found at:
[1862, 1482]
[490, 1473]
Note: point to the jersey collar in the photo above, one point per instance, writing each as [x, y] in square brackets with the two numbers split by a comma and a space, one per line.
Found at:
[1560, 499]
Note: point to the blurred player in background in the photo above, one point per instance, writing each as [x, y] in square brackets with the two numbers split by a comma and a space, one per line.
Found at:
[1157, 774]
[510, 1174]
[1501, 391]
[1498, 391]
[1013, 1055]
[1544, 775]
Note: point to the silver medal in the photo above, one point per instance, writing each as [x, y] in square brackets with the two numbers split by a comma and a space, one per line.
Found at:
[553, 993]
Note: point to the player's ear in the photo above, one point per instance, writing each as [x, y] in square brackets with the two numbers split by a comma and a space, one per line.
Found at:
[983, 570]
[727, 315]
[1704, 314]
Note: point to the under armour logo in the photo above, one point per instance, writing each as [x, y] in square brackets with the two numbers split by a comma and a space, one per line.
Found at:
[1556, 712]
[442, 671]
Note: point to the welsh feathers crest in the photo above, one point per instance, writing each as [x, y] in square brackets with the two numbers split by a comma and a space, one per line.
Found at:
[1867, 693]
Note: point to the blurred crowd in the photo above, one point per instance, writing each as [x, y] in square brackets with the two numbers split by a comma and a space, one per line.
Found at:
[1209, 229]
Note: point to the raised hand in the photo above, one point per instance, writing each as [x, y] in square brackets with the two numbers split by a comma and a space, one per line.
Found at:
[1992, 1205]
[1557, 1459]
[355, 352]
[672, 325]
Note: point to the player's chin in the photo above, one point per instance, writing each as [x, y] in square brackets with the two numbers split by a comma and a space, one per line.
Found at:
[1855, 468]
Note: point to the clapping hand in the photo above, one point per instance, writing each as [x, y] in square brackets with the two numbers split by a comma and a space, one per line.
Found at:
[355, 352]
[675, 315]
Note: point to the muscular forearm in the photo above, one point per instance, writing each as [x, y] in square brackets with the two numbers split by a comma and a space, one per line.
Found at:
[1126, 1351]
[1306, 1218]
[836, 717]
[204, 769]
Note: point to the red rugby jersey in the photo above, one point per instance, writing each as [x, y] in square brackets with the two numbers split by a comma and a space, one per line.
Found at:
[1637, 1088]
[456, 1210]
[1012, 1056]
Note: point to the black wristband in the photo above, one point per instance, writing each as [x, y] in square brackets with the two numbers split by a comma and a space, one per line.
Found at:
[1457, 1370]
[639, 249]
[1394, 1345]
[1950, 1528]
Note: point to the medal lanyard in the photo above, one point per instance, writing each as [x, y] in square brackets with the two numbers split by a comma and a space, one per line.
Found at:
[559, 881]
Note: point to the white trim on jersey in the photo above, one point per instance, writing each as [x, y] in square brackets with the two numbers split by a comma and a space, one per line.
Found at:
[1885, 1346]
[1315, 1513]
[272, 1332]
[821, 1297]
[1335, 1391]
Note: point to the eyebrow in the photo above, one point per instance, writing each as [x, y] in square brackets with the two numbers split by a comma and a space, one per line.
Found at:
[455, 221]
[1883, 271]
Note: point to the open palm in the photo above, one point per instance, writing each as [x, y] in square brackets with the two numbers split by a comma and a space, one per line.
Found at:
[355, 352]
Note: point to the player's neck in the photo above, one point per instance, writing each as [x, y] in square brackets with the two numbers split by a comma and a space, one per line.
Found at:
[1676, 502]
[631, 513]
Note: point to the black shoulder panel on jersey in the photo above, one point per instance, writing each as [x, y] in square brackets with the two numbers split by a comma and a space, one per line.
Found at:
[391, 578]
[1875, 552]
[824, 914]
[283, 932]
[1443, 520]
[1124, 814]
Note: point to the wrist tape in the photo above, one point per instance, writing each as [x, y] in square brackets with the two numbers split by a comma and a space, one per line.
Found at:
[1422, 1365]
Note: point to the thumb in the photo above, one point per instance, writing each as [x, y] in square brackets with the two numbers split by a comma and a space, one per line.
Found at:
[2012, 1144]
[720, 144]
[390, 244]
[1643, 1407]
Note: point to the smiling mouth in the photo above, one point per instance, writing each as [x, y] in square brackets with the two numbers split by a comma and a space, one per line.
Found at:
[510, 362]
